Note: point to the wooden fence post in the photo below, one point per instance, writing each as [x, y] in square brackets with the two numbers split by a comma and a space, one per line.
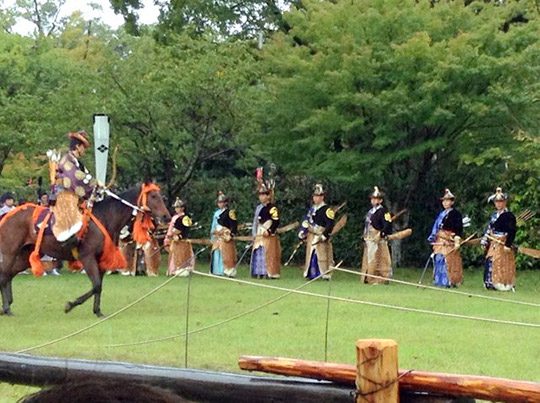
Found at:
[377, 371]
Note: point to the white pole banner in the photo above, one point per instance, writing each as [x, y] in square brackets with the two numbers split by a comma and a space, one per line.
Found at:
[101, 145]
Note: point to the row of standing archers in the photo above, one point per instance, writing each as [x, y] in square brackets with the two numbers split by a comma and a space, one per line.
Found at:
[320, 224]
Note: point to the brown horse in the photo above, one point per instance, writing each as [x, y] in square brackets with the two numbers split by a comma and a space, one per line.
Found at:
[18, 237]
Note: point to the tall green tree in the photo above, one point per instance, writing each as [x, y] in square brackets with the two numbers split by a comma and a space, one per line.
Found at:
[48, 87]
[244, 19]
[44, 14]
[7, 18]
[384, 92]
[180, 108]
[128, 9]
[241, 19]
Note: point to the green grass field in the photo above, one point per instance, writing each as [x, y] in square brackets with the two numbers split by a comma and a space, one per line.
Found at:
[292, 327]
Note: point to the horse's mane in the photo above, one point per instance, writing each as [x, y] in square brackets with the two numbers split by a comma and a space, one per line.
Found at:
[110, 204]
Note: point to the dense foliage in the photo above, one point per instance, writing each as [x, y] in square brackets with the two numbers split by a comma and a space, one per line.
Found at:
[411, 96]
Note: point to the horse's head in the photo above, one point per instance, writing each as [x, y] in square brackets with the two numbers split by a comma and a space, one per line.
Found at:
[156, 206]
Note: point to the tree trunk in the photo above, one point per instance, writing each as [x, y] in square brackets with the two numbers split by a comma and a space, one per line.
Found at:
[4, 152]
[395, 249]
[396, 245]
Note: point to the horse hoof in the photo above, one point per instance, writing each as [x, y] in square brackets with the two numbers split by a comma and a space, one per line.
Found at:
[7, 312]
[99, 314]
[68, 307]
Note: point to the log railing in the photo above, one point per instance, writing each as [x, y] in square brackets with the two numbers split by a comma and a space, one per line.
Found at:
[480, 387]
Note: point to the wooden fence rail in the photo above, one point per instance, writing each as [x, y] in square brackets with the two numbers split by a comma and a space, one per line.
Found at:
[480, 387]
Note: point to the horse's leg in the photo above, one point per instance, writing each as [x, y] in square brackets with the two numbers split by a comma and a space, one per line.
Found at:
[10, 292]
[97, 296]
[4, 281]
[16, 264]
[72, 304]
[7, 296]
[95, 276]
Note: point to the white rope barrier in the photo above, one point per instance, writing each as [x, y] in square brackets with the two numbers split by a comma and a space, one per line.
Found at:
[289, 292]
[512, 301]
[376, 304]
[223, 322]
[99, 322]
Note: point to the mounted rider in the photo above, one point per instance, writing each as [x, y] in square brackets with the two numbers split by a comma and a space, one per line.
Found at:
[73, 183]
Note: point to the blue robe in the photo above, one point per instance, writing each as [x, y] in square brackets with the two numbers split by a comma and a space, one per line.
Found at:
[313, 270]
[258, 261]
[216, 266]
[440, 270]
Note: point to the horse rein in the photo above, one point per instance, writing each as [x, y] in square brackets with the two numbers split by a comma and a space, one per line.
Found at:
[134, 207]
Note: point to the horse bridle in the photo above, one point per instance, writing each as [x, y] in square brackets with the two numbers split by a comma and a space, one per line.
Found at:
[136, 209]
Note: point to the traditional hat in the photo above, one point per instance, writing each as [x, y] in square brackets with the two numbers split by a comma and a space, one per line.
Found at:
[178, 203]
[318, 190]
[376, 194]
[498, 195]
[82, 136]
[263, 188]
[448, 195]
[266, 187]
[222, 197]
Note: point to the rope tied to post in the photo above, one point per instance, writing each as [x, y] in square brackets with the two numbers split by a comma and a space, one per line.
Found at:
[358, 393]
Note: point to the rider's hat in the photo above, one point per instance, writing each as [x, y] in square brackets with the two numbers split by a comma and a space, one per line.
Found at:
[81, 136]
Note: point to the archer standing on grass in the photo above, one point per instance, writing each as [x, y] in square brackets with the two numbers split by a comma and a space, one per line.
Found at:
[181, 258]
[500, 265]
[316, 229]
[378, 225]
[224, 227]
[266, 256]
[445, 238]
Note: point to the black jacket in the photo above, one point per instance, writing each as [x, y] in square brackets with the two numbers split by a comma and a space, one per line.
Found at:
[270, 212]
[324, 217]
[381, 220]
[228, 220]
[453, 221]
[506, 223]
[182, 224]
